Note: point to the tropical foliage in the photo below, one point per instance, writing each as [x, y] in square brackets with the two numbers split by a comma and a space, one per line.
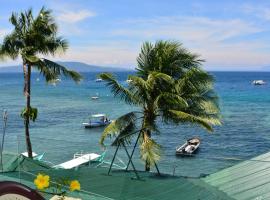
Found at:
[169, 86]
[168, 57]
[31, 38]
[57, 186]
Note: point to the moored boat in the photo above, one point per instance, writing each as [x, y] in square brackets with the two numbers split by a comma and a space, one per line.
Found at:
[99, 80]
[189, 148]
[97, 120]
[258, 82]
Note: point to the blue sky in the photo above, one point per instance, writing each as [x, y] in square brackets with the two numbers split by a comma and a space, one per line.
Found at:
[229, 35]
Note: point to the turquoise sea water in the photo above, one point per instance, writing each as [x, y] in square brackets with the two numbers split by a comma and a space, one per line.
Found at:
[62, 109]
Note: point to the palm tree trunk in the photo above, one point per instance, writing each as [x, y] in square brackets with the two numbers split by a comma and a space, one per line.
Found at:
[147, 163]
[28, 107]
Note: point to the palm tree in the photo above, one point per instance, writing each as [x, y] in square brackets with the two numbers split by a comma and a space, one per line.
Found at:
[169, 85]
[188, 99]
[31, 38]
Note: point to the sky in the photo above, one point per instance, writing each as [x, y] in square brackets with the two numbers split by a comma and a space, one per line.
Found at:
[231, 35]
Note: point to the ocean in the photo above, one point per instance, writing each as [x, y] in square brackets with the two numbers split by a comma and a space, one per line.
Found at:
[58, 130]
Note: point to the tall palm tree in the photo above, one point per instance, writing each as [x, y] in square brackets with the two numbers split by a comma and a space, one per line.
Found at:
[170, 85]
[31, 38]
[188, 99]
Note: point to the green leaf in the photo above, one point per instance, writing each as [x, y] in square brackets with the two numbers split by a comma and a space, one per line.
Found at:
[123, 127]
[117, 89]
[31, 59]
[150, 151]
[31, 113]
[51, 71]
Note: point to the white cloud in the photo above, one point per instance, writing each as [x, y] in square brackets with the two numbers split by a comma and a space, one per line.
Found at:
[262, 12]
[111, 54]
[3, 32]
[75, 16]
[210, 38]
[188, 28]
[220, 42]
[69, 20]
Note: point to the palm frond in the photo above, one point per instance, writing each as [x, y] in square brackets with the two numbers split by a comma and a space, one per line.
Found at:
[150, 151]
[10, 48]
[52, 70]
[168, 100]
[180, 116]
[125, 135]
[139, 88]
[117, 89]
[122, 127]
[168, 57]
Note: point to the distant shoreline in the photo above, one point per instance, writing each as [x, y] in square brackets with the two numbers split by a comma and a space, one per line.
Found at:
[130, 70]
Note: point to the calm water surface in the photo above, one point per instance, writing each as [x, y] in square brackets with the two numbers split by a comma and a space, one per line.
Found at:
[58, 131]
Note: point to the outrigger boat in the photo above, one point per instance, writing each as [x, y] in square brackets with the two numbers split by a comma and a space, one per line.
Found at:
[189, 148]
[97, 120]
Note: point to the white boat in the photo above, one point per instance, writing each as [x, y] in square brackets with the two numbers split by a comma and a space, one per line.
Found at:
[94, 97]
[190, 147]
[128, 81]
[54, 82]
[99, 80]
[258, 82]
[97, 120]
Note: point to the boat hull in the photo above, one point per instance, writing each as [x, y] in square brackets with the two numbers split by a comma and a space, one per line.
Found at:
[95, 124]
[190, 147]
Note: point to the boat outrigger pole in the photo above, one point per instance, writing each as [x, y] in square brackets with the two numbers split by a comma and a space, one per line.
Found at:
[3, 137]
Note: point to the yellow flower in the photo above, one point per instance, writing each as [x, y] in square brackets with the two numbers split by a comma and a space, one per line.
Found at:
[74, 185]
[42, 181]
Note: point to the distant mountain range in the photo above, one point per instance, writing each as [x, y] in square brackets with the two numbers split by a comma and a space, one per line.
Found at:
[77, 66]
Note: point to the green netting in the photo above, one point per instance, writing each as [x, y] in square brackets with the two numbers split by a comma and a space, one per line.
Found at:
[13, 162]
[96, 184]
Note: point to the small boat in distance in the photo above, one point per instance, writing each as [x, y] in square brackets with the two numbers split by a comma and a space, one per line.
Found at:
[95, 98]
[258, 82]
[99, 80]
[189, 148]
[97, 120]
